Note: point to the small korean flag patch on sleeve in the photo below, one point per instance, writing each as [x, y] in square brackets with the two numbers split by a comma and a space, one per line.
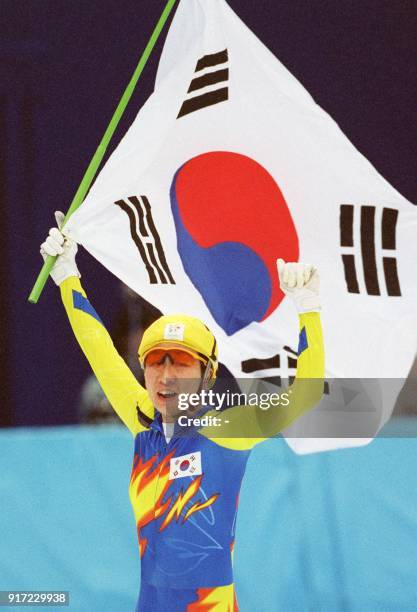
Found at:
[174, 331]
[186, 465]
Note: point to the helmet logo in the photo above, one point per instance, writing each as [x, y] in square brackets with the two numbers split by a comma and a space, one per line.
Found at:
[174, 331]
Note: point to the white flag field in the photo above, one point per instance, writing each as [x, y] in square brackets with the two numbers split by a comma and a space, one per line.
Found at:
[229, 165]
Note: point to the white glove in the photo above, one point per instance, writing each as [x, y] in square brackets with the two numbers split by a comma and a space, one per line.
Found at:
[57, 244]
[301, 282]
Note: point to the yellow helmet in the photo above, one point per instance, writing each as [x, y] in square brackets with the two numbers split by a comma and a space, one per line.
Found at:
[184, 332]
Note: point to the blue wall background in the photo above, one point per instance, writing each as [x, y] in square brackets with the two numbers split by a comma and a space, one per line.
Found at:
[329, 532]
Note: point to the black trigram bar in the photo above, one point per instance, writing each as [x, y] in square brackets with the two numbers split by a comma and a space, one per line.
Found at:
[213, 59]
[292, 362]
[391, 276]
[272, 380]
[367, 248]
[149, 246]
[207, 99]
[389, 230]
[253, 365]
[350, 273]
[290, 350]
[277, 381]
[209, 79]
[346, 240]
[346, 225]
[389, 227]
[212, 78]
[157, 239]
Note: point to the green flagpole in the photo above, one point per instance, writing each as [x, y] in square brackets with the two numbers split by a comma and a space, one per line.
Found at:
[101, 149]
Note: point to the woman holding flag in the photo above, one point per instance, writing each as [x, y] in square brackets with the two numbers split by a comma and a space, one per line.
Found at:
[185, 481]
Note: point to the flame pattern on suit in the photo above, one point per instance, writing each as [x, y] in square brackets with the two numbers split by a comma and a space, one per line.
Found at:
[217, 599]
[150, 476]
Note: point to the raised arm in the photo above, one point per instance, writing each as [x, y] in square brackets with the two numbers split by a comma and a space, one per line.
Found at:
[244, 426]
[117, 381]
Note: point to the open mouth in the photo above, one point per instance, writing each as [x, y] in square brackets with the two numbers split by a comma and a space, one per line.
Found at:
[167, 394]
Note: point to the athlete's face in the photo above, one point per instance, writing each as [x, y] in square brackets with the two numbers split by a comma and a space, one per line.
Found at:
[167, 374]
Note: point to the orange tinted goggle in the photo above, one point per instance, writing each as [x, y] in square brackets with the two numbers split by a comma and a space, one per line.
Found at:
[177, 356]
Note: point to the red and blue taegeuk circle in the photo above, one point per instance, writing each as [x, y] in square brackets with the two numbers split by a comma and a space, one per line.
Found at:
[232, 223]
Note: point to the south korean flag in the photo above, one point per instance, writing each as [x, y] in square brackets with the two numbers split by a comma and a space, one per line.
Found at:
[230, 165]
[186, 465]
